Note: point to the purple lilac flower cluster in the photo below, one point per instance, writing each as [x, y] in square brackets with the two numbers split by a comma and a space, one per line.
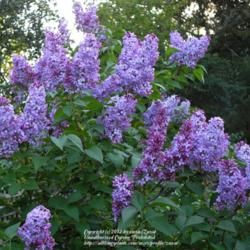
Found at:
[35, 123]
[22, 73]
[242, 151]
[199, 144]
[116, 118]
[190, 51]
[135, 69]
[35, 232]
[122, 193]
[157, 119]
[11, 134]
[83, 70]
[29, 126]
[232, 186]
[86, 21]
[51, 68]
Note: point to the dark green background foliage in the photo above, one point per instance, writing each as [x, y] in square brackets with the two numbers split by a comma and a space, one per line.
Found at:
[21, 28]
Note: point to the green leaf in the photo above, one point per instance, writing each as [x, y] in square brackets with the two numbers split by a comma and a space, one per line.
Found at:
[30, 185]
[76, 196]
[165, 201]
[161, 224]
[197, 236]
[193, 220]
[75, 140]
[241, 245]
[95, 153]
[59, 142]
[39, 161]
[195, 187]
[116, 159]
[135, 160]
[73, 212]
[138, 200]
[12, 230]
[128, 214]
[57, 202]
[227, 225]
[180, 221]
[14, 188]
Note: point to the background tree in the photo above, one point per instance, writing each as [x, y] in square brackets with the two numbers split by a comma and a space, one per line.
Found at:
[142, 17]
[21, 28]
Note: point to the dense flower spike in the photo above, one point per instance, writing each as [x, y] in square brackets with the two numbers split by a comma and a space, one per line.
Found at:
[21, 73]
[122, 193]
[210, 145]
[51, 68]
[84, 69]
[86, 21]
[199, 144]
[189, 51]
[11, 134]
[35, 232]
[135, 69]
[232, 186]
[116, 118]
[35, 123]
[242, 151]
[157, 118]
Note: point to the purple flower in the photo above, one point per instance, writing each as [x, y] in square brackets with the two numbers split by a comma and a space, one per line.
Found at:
[51, 68]
[122, 193]
[232, 186]
[11, 134]
[190, 51]
[153, 164]
[135, 69]
[242, 151]
[83, 71]
[86, 21]
[35, 122]
[210, 144]
[21, 73]
[116, 118]
[35, 232]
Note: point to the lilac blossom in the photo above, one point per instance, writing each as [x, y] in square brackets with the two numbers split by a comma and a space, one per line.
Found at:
[189, 51]
[198, 144]
[50, 69]
[21, 73]
[86, 21]
[35, 122]
[157, 118]
[116, 118]
[35, 232]
[83, 71]
[232, 186]
[210, 145]
[242, 151]
[11, 134]
[122, 193]
[135, 69]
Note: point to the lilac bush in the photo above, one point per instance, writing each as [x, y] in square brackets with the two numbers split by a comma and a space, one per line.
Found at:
[172, 166]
